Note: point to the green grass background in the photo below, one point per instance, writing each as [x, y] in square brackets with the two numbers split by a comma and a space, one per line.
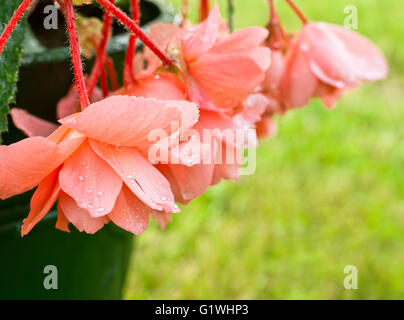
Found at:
[328, 192]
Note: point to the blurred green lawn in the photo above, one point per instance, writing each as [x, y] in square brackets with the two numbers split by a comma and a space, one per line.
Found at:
[328, 192]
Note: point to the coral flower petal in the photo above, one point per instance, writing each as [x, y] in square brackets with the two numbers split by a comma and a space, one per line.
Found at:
[241, 41]
[274, 72]
[192, 181]
[262, 57]
[58, 135]
[226, 84]
[221, 126]
[139, 175]
[62, 223]
[128, 121]
[198, 94]
[162, 218]
[214, 120]
[90, 181]
[79, 217]
[70, 144]
[229, 166]
[199, 39]
[24, 164]
[161, 34]
[225, 172]
[266, 128]
[32, 126]
[42, 201]
[165, 86]
[329, 94]
[368, 59]
[298, 84]
[130, 213]
[327, 55]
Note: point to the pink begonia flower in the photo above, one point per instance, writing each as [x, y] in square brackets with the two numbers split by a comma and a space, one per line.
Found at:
[220, 71]
[325, 61]
[93, 166]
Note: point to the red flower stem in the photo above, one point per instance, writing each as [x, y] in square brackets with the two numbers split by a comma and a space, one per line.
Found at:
[276, 32]
[12, 23]
[274, 19]
[134, 28]
[204, 10]
[112, 73]
[298, 12]
[104, 83]
[128, 76]
[101, 53]
[75, 52]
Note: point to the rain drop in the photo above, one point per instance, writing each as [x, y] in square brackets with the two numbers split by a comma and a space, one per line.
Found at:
[304, 47]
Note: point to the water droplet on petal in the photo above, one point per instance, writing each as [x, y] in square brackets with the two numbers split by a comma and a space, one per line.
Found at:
[304, 46]
[100, 193]
[70, 121]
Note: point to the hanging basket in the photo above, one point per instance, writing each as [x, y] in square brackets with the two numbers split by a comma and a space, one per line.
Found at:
[84, 266]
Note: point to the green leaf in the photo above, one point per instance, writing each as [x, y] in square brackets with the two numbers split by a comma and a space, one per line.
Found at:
[10, 60]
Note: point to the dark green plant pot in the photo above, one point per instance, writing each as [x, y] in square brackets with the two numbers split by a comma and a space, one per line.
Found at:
[88, 266]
